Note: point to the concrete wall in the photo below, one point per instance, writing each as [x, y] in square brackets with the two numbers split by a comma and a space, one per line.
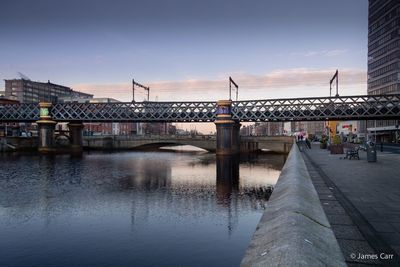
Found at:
[8, 144]
[294, 230]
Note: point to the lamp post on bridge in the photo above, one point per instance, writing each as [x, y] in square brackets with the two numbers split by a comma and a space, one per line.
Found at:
[147, 88]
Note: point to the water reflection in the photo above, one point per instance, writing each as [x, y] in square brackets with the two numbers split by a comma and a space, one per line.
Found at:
[227, 177]
[147, 176]
[122, 209]
[227, 187]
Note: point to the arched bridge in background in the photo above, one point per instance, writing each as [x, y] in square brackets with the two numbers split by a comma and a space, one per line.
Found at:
[151, 141]
[278, 144]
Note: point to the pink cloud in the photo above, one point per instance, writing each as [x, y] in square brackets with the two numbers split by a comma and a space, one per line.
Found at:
[278, 83]
[323, 53]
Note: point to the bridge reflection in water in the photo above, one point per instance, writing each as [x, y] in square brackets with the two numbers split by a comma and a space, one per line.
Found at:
[227, 176]
[127, 207]
[228, 187]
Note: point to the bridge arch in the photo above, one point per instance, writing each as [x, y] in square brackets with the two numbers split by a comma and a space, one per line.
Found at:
[170, 144]
[118, 142]
[62, 139]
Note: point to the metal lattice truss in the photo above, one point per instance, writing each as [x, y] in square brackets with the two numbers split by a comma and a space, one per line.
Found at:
[19, 112]
[299, 109]
[136, 111]
[317, 109]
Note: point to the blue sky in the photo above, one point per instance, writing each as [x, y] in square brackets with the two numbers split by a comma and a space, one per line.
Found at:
[186, 50]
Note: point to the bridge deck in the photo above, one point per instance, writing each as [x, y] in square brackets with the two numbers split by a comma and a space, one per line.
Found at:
[297, 109]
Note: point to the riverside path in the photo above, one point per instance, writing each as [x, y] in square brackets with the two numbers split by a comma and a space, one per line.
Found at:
[362, 202]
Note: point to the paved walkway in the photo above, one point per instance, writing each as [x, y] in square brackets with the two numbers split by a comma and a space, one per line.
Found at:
[362, 202]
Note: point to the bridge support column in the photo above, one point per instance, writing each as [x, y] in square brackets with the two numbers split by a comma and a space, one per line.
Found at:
[75, 133]
[46, 128]
[228, 137]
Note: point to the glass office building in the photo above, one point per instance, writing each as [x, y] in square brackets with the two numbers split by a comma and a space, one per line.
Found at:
[384, 61]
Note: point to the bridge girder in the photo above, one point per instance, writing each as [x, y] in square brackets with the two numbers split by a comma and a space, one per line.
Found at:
[365, 107]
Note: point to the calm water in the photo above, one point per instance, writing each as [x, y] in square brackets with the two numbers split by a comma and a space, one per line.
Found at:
[131, 208]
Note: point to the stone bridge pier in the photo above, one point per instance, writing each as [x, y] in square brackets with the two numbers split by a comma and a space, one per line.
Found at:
[228, 130]
[75, 133]
[46, 128]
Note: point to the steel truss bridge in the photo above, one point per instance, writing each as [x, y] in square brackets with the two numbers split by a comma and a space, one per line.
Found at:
[362, 107]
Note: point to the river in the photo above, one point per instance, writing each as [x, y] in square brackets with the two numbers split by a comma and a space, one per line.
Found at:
[157, 208]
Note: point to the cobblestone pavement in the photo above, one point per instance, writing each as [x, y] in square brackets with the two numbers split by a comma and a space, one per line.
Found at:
[362, 202]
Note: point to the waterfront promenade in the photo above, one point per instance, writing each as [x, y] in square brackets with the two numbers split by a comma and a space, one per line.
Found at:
[362, 203]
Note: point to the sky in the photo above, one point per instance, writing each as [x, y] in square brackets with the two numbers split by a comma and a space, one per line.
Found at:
[186, 50]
